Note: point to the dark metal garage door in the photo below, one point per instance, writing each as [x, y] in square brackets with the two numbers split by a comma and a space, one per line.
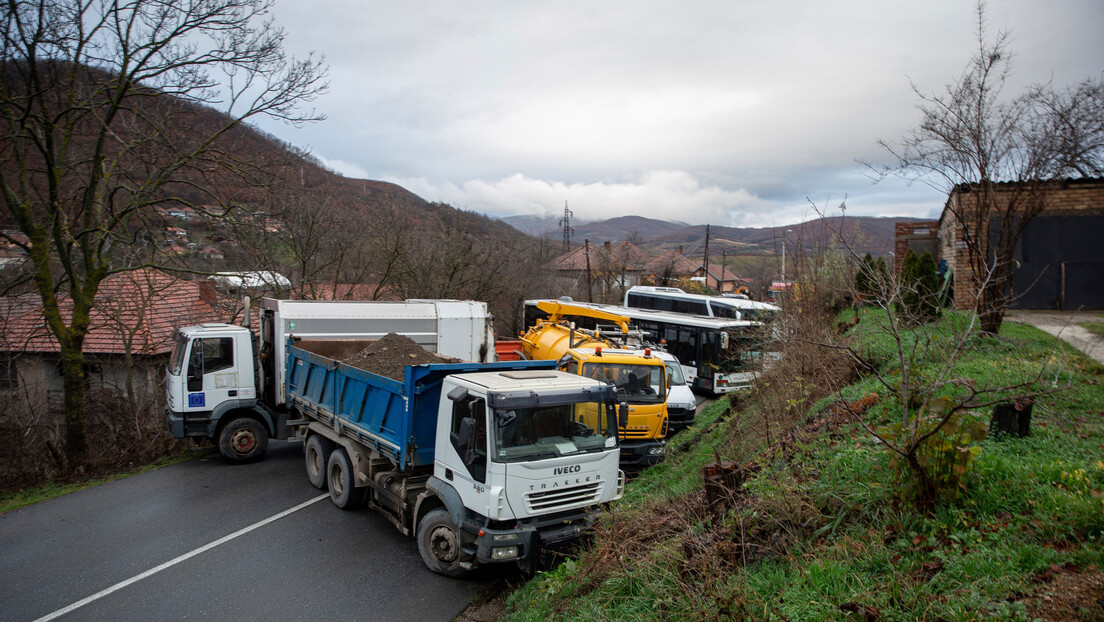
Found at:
[1060, 264]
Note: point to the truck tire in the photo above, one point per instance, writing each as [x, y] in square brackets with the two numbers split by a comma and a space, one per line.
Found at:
[339, 476]
[243, 440]
[316, 454]
[439, 543]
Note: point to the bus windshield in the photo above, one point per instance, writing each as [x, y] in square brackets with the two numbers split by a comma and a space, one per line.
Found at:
[524, 434]
[642, 384]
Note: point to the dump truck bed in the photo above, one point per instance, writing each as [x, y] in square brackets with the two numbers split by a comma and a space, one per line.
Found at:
[397, 419]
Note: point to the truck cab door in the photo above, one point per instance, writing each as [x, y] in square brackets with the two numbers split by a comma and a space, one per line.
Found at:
[465, 456]
[212, 375]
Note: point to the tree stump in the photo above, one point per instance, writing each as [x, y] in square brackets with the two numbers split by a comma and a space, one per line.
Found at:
[1011, 419]
[723, 481]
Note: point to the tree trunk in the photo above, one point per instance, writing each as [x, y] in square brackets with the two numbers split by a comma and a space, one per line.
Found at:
[76, 432]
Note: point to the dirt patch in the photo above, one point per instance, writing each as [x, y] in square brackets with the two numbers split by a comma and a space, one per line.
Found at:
[390, 355]
[1068, 595]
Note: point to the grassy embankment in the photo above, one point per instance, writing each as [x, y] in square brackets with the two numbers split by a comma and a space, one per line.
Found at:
[823, 527]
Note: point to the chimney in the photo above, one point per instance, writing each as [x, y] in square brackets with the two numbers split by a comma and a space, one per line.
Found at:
[207, 291]
[680, 249]
[606, 244]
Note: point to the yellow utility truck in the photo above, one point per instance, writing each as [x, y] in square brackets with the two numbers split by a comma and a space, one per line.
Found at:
[639, 377]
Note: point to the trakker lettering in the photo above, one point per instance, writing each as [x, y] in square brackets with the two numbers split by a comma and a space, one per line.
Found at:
[567, 469]
[558, 484]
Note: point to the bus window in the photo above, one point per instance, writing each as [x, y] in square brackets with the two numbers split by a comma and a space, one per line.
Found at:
[720, 310]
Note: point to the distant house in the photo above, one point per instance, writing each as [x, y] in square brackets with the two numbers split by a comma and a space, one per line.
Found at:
[14, 241]
[258, 282]
[176, 232]
[211, 253]
[12, 257]
[272, 225]
[127, 345]
[613, 269]
[1057, 263]
[178, 213]
[667, 268]
[719, 278]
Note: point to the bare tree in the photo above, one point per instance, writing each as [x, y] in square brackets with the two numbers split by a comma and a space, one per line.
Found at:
[1004, 157]
[99, 124]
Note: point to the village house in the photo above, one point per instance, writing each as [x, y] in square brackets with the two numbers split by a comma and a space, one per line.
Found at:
[613, 269]
[667, 268]
[719, 278]
[127, 345]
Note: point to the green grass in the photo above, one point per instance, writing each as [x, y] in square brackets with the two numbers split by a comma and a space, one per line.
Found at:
[1095, 326]
[834, 532]
[15, 499]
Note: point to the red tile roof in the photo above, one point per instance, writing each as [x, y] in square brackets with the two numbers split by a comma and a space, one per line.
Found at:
[141, 307]
[671, 262]
[624, 254]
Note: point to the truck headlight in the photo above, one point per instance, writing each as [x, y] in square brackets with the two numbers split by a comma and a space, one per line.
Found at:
[655, 451]
[505, 537]
[504, 552]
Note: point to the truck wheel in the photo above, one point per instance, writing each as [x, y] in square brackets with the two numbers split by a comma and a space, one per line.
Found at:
[439, 543]
[339, 475]
[316, 453]
[243, 440]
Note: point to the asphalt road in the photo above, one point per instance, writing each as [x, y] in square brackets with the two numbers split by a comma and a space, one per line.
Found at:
[223, 542]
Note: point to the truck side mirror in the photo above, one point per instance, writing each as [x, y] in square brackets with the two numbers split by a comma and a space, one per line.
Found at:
[623, 415]
[465, 444]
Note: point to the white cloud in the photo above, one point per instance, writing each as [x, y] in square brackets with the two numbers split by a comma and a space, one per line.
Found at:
[665, 195]
[341, 167]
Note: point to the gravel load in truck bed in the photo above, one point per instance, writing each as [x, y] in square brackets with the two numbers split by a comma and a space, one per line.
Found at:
[390, 355]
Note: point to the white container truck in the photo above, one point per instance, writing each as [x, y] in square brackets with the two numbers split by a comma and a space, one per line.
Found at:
[226, 385]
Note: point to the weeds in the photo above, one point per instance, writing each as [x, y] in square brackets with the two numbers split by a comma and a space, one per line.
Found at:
[819, 528]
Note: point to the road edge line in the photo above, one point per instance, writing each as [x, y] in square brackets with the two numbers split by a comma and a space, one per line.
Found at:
[182, 558]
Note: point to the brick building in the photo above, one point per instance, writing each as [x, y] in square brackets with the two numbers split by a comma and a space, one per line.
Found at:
[1058, 262]
[919, 237]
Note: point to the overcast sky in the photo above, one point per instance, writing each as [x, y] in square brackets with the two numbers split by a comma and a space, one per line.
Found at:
[735, 113]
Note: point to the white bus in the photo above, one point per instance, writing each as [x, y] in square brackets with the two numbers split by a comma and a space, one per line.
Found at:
[678, 301]
[718, 355]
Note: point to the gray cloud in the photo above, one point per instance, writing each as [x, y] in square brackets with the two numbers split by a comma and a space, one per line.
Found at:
[725, 112]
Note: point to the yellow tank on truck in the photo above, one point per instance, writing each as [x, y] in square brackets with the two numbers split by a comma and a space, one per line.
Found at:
[641, 379]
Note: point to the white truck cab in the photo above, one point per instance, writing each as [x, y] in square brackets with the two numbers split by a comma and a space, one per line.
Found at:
[211, 372]
[681, 403]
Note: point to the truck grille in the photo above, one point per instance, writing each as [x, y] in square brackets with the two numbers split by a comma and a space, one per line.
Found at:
[561, 498]
[631, 433]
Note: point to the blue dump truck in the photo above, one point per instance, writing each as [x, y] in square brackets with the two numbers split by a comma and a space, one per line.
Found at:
[481, 462]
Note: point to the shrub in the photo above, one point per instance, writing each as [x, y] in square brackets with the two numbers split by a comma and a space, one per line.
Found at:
[919, 288]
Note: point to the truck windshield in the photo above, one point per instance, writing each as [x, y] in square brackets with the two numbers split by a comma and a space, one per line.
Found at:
[523, 434]
[674, 370]
[642, 384]
[180, 347]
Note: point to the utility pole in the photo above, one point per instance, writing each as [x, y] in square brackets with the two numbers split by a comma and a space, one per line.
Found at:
[784, 257]
[590, 290]
[565, 223]
[720, 286]
[706, 260]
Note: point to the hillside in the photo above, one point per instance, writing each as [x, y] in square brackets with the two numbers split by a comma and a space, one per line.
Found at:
[867, 234]
[249, 184]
